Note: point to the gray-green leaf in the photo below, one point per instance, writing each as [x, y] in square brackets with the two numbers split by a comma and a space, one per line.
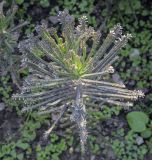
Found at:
[137, 121]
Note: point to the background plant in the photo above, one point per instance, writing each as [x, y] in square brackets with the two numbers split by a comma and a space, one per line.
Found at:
[9, 32]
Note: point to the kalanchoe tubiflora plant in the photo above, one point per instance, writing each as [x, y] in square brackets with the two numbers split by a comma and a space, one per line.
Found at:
[71, 75]
[9, 34]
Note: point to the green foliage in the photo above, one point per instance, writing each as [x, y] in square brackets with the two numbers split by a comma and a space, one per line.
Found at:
[9, 63]
[129, 6]
[105, 113]
[146, 133]
[6, 91]
[9, 151]
[128, 149]
[137, 121]
[79, 8]
[22, 143]
[19, 1]
[139, 24]
[44, 3]
[149, 145]
[32, 123]
[53, 150]
[94, 146]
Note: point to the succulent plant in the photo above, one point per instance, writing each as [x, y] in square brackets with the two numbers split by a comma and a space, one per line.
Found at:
[74, 71]
[9, 34]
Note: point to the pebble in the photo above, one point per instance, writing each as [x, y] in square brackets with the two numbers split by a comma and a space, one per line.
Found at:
[139, 140]
[135, 53]
[2, 106]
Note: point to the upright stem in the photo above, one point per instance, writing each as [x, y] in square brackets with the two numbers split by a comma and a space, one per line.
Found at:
[79, 116]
